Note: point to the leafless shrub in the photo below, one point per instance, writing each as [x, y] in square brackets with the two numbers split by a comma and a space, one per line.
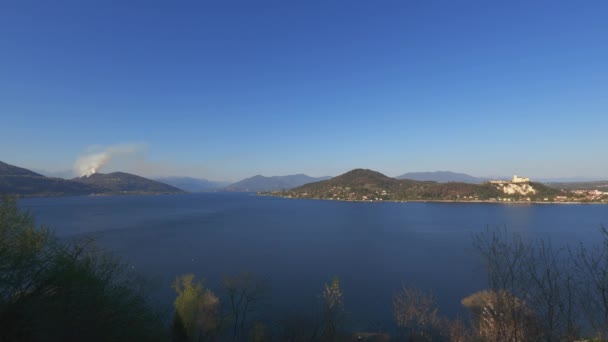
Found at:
[416, 312]
[245, 293]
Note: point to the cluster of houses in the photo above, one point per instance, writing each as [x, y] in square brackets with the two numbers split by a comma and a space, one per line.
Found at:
[509, 199]
[340, 193]
[590, 195]
[377, 196]
[517, 189]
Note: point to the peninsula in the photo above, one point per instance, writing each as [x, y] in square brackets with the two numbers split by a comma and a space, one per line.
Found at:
[372, 186]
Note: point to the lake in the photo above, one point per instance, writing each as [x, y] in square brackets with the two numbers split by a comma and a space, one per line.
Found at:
[302, 244]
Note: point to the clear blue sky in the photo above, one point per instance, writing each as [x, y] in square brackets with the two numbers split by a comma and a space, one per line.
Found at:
[229, 89]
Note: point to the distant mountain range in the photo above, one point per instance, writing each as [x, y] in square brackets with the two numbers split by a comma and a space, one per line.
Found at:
[442, 177]
[23, 182]
[597, 185]
[19, 181]
[572, 180]
[448, 176]
[260, 183]
[193, 184]
[363, 185]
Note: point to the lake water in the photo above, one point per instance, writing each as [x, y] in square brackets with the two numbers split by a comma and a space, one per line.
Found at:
[301, 244]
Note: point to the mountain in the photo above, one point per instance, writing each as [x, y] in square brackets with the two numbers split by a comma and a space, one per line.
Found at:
[65, 174]
[358, 178]
[193, 184]
[362, 184]
[126, 183]
[442, 177]
[22, 182]
[11, 170]
[261, 183]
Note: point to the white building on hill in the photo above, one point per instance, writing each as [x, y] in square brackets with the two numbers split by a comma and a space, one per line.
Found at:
[517, 179]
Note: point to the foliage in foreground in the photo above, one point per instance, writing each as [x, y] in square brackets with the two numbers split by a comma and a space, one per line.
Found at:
[196, 315]
[52, 290]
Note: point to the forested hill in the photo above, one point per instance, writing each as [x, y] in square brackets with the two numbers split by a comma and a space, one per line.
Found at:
[123, 183]
[369, 185]
[18, 181]
[11, 170]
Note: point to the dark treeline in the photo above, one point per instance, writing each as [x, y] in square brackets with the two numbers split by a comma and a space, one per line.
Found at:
[52, 290]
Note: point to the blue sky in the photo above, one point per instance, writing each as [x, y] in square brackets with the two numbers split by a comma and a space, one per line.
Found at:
[229, 89]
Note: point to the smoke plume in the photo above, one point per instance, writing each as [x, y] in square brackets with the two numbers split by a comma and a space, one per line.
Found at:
[94, 161]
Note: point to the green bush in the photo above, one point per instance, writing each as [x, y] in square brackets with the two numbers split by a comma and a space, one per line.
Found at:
[56, 291]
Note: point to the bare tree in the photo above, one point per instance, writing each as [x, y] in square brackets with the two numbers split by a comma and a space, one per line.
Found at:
[416, 312]
[494, 319]
[456, 330]
[507, 258]
[551, 291]
[534, 287]
[592, 267]
[245, 293]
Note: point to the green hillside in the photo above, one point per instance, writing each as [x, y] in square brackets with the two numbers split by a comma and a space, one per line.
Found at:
[369, 185]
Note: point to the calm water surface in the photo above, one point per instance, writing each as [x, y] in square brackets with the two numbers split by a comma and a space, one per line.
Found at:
[301, 244]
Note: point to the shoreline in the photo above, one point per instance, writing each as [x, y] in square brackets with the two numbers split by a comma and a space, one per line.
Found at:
[435, 201]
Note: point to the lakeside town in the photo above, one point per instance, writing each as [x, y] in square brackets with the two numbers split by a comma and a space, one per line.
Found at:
[370, 186]
[522, 186]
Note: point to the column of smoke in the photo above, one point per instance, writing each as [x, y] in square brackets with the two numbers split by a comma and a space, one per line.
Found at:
[90, 164]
